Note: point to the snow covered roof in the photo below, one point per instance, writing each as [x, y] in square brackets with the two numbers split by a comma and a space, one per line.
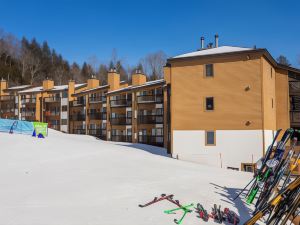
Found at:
[131, 87]
[213, 51]
[91, 90]
[55, 88]
[16, 88]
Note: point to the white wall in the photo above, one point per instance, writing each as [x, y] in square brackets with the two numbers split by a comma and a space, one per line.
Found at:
[233, 147]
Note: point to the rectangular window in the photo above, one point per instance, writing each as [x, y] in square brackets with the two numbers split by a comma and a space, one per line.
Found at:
[64, 122]
[209, 70]
[64, 108]
[209, 103]
[210, 138]
[272, 103]
[271, 72]
[65, 94]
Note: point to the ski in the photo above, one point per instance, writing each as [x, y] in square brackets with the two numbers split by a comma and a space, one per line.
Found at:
[158, 199]
[273, 202]
[217, 214]
[231, 216]
[202, 212]
[185, 211]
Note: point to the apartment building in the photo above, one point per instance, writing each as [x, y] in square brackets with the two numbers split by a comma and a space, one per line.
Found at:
[227, 102]
[121, 112]
[9, 100]
[46, 103]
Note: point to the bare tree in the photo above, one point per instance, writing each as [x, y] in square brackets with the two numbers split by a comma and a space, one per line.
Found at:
[59, 73]
[283, 60]
[34, 66]
[153, 64]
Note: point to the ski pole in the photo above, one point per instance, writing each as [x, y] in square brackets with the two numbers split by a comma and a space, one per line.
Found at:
[244, 188]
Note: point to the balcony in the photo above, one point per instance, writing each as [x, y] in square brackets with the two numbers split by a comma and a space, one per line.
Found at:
[121, 121]
[28, 100]
[121, 138]
[7, 98]
[295, 118]
[77, 103]
[51, 113]
[52, 99]
[97, 116]
[151, 140]
[100, 133]
[54, 126]
[77, 117]
[121, 103]
[79, 131]
[150, 99]
[98, 99]
[150, 119]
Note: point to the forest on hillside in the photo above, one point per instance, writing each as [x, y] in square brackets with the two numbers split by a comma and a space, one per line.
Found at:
[29, 62]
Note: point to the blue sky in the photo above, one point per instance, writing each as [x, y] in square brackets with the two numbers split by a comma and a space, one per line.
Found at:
[81, 29]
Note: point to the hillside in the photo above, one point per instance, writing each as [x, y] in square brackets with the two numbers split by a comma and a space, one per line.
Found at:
[75, 180]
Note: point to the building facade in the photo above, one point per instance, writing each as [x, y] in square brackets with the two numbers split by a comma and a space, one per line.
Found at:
[218, 106]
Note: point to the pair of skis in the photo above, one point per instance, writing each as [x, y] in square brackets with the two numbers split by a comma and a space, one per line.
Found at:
[227, 215]
[288, 200]
[161, 198]
[186, 209]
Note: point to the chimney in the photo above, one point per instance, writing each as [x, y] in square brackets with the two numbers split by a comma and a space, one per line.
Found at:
[48, 84]
[3, 86]
[113, 80]
[202, 42]
[71, 89]
[138, 78]
[92, 82]
[216, 41]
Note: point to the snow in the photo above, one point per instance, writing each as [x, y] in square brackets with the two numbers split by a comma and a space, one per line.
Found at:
[18, 87]
[69, 179]
[55, 88]
[213, 51]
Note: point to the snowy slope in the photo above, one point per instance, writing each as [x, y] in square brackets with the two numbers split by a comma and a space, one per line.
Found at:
[78, 180]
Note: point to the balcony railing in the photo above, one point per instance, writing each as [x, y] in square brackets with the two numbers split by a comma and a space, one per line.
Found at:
[51, 113]
[121, 138]
[77, 117]
[100, 133]
[77, 103]
[7, 98]
[295, 117]
[121, 103]
[150, 99]
[98, 99]
[150, 119]
[55, 126]
[52, 99]
[151, 140]
[28, 113]
[97, 116]
[121, 121]
[28, 100]
[79, 131]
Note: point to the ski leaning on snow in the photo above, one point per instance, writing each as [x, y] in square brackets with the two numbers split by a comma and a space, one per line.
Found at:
[202, 212]
[265, 171]
[282, 198]
[263, 161]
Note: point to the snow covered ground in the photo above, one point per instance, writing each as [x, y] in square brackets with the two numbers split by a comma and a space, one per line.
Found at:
[78, 180]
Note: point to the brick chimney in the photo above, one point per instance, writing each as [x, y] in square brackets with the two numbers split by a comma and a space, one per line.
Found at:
[138, 78]
[113, 80]
[3, 86]
[71, 89]
[92, 82]
[48, 84]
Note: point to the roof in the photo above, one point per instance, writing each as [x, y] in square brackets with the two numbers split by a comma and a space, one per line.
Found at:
[229, 50]
[91, 90]
[213, 51]
[133, 87]
[55, 88]
[15, 88]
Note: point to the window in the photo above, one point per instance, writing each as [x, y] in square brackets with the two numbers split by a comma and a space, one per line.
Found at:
[64, 108]
[271, 72]
[64, 122]
[210, 138]
[272, 103]
[209, 70]
[248, 167]
[65, 94]
[209, 103]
